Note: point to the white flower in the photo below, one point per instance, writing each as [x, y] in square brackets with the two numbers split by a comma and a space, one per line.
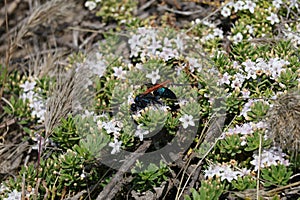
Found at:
[260, 125]
[179, 42]
[140, 132]
[213, 170]
[39, 114]
[277, 3]
[224, 172]
[225, 79]
[134, 41]
[39, 139]
[240, 77]
[187, 120]
[246, 129]
[111, 127]
[38, 109]
[98, 68]
[182, 102]
[90, 5]
[154, 76]
[236, 84]
[168, 53]
[197, 21]
[226, 11]
[251, 74]
[243, 141]
[209, 24]
[249, 65]
[250, 5]
[245, 171]
[167, 42]
[218, 32]
[236, 65]
[116, 145]
[238, 6]
[246, 108]
[229, 174]
[209, 37]
[139, 66]
[119, 72]
[246, 93]
[154, 46]
[87, 113]
[237, 38]
[193, 63]
[273, 18]
[130, 98]
[28, 86]
[14, 195]
[262, 65]
[164, 108]
[250, 29]
[3, 188]
[293, 3]
[28, 95]
[276, 67]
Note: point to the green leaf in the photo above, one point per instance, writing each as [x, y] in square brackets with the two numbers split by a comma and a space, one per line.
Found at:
[27, 130]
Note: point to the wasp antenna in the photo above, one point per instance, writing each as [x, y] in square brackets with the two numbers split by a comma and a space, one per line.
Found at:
[165, 82]
[155, 87]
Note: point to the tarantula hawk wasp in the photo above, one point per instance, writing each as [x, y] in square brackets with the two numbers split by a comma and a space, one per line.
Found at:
[153, 95]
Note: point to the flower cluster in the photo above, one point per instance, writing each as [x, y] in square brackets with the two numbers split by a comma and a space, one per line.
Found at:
[238, 6]
[252, 70]
[36, 103]
[96, 65]
[147, 43]
[211, 31]
[273, 156]
[244, 130]
[255, 18]
[225, 172]
[248, 106]
[13, 195]
[112, 126]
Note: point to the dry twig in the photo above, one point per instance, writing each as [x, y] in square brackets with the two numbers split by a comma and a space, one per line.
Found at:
[113, 186]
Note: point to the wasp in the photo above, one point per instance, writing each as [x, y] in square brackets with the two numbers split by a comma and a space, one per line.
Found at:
[153, 95]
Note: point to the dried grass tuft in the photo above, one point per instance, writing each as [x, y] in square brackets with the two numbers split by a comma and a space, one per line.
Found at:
[69, 95]
[59, 104]
[284, 122]
[43, 13]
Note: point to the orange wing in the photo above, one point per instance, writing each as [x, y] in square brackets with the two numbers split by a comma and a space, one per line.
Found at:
[155, 87]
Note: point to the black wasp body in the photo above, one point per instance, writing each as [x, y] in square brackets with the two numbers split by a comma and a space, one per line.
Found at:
[153, 96]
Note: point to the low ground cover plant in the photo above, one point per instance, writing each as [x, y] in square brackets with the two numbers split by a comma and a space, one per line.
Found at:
[205, 110]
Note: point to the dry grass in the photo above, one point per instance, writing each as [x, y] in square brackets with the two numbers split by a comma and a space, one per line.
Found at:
[51, 10]
[17, 44]
[284, 121]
